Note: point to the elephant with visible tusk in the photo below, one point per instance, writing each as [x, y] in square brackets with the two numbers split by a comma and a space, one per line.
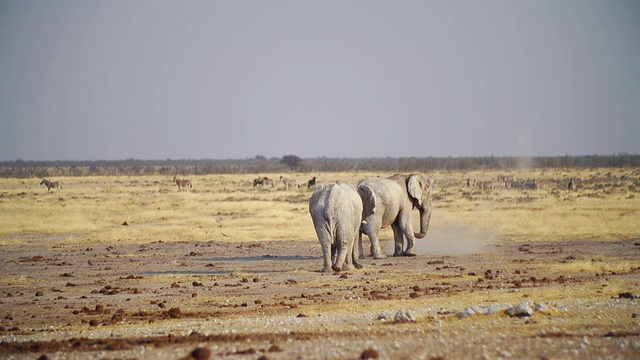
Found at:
[336, 211]
[390, 201]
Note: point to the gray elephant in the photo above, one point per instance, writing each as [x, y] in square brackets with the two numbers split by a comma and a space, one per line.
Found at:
[336, 211]
[390, 201]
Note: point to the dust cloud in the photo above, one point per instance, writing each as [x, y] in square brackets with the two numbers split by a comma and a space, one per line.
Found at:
[452, 241]
[523, 151]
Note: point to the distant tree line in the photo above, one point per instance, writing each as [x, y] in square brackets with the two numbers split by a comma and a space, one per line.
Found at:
[292, 163]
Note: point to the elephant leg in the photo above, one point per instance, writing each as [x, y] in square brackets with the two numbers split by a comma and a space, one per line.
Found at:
[359, 245]
[368, 229]
[348, 261]
[342, 255]
[344, 248]
[356, 254]
[411, 240]
[326, 255]
[398, 239]
[325, 243]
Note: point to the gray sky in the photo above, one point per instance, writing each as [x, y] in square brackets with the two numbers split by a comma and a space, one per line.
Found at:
[108, 80]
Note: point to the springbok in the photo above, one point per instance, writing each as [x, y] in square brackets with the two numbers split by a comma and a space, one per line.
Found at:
[51, 184]
[288, 182]
[182, 183]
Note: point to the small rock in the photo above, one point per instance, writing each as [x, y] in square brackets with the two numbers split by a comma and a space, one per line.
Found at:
[370, 354]
[625, 295]
[522, 309]
[404, 316]
[466, 312]
[201, 354]
[174, 313]
[384, 316]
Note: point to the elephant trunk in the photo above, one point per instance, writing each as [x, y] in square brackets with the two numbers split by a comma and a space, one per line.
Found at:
[425, 218]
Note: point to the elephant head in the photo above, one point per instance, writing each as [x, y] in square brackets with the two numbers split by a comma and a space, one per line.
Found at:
[419, 190]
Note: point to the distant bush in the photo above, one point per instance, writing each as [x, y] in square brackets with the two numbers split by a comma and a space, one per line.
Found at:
[260, 164]
[291, 161]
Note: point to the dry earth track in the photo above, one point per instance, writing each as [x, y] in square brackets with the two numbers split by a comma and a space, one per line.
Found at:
[261, 300]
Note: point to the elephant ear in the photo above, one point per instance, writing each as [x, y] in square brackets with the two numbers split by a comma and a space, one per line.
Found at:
[368, 200]
[415, 187]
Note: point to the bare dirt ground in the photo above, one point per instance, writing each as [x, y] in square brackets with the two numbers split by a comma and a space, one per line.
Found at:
[263, 300]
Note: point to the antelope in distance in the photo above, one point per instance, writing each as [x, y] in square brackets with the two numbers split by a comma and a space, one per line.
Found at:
[505, 178]
[514, 184]
[311, 183]
[264, 181]
[572, 184]
[51, 184]
[182, 183]
[485, 185]
[530, 185]
[258, 181]
[289, 182]
[470, 183]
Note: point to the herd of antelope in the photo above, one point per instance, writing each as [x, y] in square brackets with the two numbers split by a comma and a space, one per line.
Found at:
[185, 184]
[287, 182]
[509, 182]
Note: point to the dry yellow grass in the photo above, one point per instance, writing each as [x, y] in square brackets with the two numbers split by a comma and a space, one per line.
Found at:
[229, 208]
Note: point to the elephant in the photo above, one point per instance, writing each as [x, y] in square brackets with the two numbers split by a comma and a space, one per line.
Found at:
[336, 210]
[390, 201]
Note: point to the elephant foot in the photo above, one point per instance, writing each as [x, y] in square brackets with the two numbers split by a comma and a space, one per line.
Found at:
[358, 265]
[410, 252]
[348, 267]
[379, 256]
[336, 268]
[325, 269]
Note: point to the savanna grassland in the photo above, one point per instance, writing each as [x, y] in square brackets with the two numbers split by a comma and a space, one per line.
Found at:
[130, 267]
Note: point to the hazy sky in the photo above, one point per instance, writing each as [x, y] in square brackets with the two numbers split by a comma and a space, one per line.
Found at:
[109, 80]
